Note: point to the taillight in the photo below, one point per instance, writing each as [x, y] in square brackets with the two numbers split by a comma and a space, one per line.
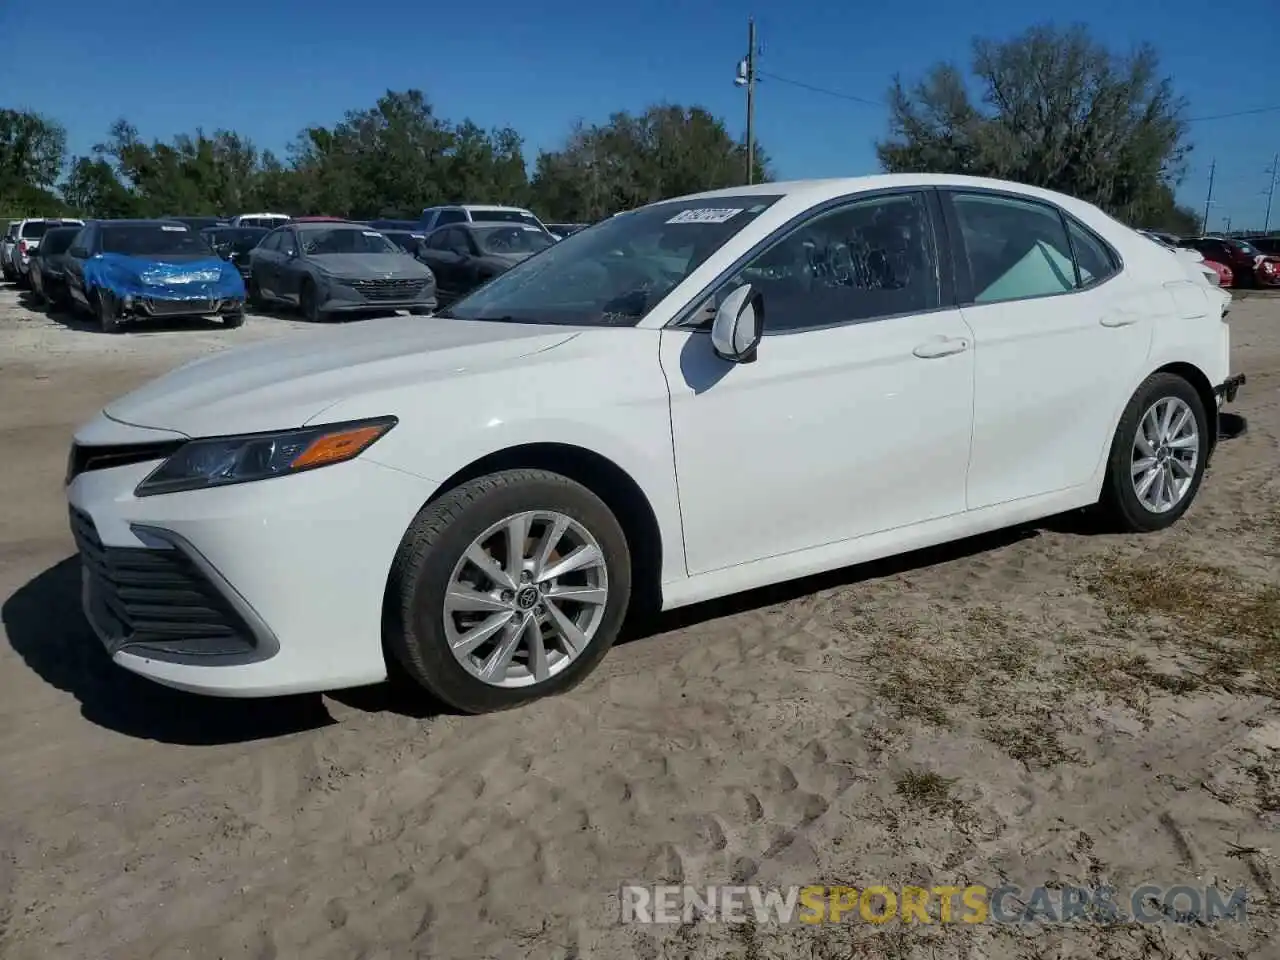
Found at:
[22, 247]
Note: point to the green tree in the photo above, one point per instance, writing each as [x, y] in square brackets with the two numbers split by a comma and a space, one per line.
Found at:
[667, 151]
[32, 151]
[1057, 110]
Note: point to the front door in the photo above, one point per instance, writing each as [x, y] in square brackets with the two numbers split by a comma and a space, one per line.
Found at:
[855, 416]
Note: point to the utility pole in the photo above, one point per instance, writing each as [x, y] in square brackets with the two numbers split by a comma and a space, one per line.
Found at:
[747, 78]
[1228, 227]
[1271, 191]
[1209, 199]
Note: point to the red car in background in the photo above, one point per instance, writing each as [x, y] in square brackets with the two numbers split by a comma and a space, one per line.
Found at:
[1249, 264]
[1225, 277]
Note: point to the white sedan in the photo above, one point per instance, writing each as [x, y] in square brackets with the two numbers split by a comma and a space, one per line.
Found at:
[695, 398]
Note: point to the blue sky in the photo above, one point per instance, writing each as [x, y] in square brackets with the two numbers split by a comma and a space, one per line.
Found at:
[270, 67]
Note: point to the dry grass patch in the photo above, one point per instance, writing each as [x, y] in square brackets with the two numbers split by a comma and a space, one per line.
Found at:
[1229, 622]
[925, 790]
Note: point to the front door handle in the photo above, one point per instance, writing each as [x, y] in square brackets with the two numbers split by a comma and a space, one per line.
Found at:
[941, 347]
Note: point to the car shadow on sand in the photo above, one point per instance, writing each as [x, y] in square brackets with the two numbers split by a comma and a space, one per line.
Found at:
[47, 629]
[66, 315]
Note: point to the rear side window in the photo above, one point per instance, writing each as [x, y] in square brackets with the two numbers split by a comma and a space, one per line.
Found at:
[1097, 261]
[1015, 249]
[33, 229]
[451, 216]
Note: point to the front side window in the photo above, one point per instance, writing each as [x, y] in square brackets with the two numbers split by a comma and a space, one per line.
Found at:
[619, 270]
[1015, 249]
[871, 258]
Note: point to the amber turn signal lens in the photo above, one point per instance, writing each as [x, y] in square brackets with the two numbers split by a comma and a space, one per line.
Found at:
[338, 446]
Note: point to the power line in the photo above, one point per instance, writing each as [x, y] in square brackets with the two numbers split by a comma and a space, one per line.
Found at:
[823, 90]
[1237, 113]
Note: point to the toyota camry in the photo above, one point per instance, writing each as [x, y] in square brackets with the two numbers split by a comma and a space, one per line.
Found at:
[698, 397]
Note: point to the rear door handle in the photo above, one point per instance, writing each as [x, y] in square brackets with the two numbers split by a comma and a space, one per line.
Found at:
[941, 347]
[1119, 319]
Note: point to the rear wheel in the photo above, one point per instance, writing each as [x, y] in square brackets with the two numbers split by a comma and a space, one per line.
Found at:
[509, 588]
[1158, 456]
[37, 287]
[235, 319]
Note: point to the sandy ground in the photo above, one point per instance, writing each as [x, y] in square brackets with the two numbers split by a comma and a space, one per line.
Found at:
[1042, 706]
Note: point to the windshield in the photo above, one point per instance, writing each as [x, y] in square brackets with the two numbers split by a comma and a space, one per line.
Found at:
[505, 216]
[614, 273]
[345, 240]
[522, 239]
[58, 241]
[239, 239]
[152, 240]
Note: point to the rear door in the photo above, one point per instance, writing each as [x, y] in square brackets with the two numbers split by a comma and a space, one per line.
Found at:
[1061, 338]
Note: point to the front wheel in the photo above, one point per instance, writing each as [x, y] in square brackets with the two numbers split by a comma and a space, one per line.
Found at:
[1158, 456]
[309, 302]
[235, 319]
[508, 588]
[106, 312]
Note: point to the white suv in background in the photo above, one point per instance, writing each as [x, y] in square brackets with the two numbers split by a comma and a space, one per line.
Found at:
[22, 239]
[433, 217]
[268, 220]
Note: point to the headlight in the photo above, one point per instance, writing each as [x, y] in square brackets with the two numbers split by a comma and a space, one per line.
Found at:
[220, 461]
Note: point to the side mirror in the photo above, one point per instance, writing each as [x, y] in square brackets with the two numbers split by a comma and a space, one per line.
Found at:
[738, 324]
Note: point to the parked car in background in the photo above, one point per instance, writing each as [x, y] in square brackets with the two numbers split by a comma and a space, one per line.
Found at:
[410, 241]
[1269, 245]
[8, 241]
[26, 240]
[267, 220]
[435, 217]
[47, 272]
[482, 501]
[331, 267]
[1215, 273]
[120, 270]
[201, 223]
[385, 225]
[465, 255]
[1247, 262]
[234, 243]
[562, 230]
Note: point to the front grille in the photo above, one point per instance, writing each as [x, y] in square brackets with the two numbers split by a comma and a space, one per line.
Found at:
[82, 459]
[389, 289]
[157, 602]
[170, 308]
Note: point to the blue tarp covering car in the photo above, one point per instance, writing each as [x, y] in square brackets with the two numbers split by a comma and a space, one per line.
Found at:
[155, 268]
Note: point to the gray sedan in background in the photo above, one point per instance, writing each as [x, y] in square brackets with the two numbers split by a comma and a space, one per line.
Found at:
[333, 267]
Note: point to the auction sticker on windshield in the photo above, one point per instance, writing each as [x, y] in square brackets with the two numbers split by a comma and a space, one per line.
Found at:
[170, 229]
[371, 233]
[710, 215]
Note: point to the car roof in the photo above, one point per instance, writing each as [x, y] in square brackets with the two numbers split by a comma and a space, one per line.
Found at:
[332, 224]
[140, 222]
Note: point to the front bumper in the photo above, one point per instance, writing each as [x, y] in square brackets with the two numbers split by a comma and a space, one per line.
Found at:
[160, 308]
[257, 589]
[363, 296]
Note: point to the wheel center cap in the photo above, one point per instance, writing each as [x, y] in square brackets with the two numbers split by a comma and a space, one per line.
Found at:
[527, 598]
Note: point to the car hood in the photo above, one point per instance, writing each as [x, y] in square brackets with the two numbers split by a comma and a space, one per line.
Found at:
[290, 382]
[370, 266]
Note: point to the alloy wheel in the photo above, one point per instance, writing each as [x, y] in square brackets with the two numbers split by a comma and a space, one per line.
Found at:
[1166, 452]
[526, 599]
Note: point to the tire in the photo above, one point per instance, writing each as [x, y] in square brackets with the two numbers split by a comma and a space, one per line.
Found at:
[104, 308]
[1121, 505]
[233, 320]
[432, 551]
[253, 295]
[307, 303]
[421, 311]
[37, 289]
